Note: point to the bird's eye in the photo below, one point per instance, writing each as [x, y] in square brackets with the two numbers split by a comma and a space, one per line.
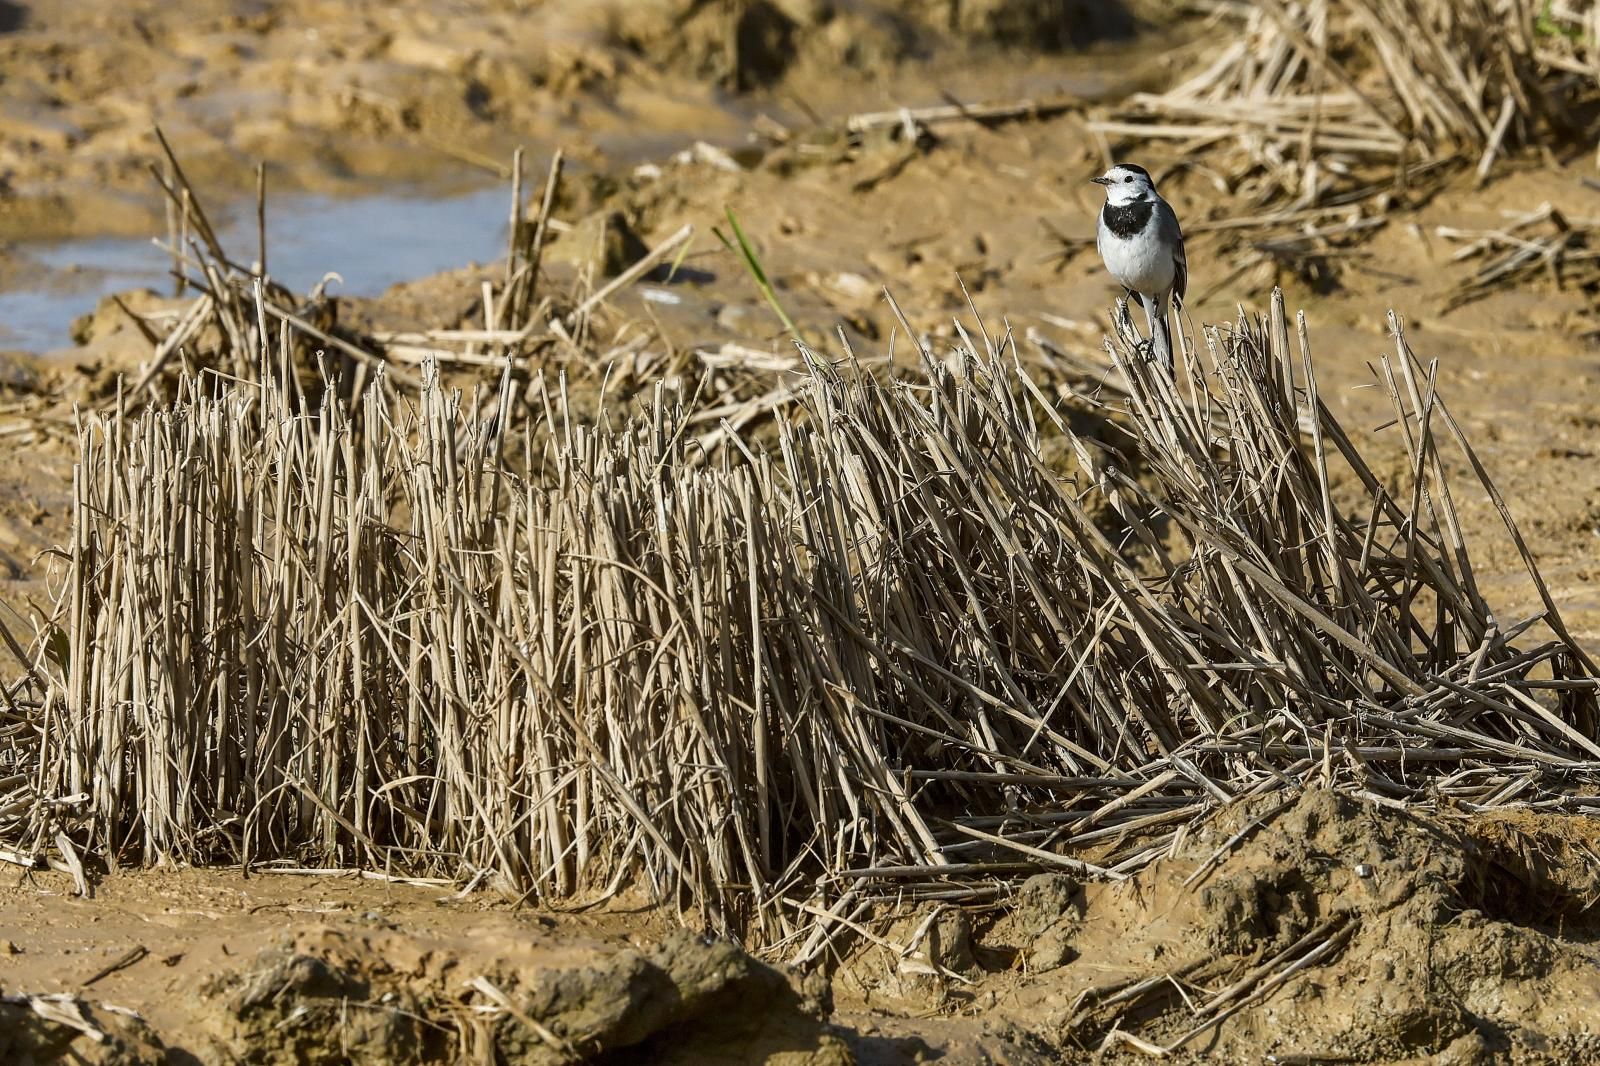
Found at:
[1128, 180]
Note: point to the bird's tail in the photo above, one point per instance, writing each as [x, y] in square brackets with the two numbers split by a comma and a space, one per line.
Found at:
[1163, 343]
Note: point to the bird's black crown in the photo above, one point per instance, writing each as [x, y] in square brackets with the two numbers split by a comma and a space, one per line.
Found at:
[1133, 167]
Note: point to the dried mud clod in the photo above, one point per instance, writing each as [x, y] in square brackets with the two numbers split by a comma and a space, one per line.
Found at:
[1336, 926]
[60, 1028]
[297, 1007]
[1048, 911]
[1544, 868]
[602, 242]
[386, 996]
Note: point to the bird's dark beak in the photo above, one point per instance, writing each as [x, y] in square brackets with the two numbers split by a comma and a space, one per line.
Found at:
[1101, 181]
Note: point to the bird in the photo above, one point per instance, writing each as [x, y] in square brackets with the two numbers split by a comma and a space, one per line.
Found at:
[1141, 244]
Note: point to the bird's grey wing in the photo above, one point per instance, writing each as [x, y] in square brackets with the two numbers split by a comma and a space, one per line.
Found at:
[1172, 233]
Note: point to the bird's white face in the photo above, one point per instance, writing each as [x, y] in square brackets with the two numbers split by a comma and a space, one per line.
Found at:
[1126, 184]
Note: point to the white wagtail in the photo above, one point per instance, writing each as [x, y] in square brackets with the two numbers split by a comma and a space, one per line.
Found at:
[1142, 245]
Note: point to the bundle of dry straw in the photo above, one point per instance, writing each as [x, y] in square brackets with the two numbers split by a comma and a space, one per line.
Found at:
[896, 656]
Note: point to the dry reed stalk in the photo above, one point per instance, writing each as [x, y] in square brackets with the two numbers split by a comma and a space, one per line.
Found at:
[897, 655]
[241, 313]
[1540, 243]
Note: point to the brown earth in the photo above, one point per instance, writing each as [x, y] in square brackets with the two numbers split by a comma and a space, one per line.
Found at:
[296, 970]
[1445, 942]
[1459, 939]
[339, 96]
[1450, 939]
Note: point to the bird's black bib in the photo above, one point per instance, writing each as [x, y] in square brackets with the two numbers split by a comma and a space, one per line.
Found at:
[1128, 220]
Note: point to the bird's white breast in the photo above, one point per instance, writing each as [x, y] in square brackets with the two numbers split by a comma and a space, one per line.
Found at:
[1141, 262]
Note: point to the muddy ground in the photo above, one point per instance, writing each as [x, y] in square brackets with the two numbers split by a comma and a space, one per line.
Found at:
[1454, 939]
[337, 96]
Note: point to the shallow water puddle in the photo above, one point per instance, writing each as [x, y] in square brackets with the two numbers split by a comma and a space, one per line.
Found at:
[372, 242]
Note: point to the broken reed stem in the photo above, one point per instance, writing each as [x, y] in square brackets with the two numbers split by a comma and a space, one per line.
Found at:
[897, 652]
[226, 329]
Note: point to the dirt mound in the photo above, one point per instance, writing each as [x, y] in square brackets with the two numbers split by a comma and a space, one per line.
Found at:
[1051, 25]
[59, 1028]
[750, 44]
[369, 991]
[1414, 960]
[1322, 929]
[1543, 869]
[336, 995]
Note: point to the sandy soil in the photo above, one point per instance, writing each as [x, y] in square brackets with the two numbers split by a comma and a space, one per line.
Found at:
[224, 968]
[1466, 940]
[1450, 940]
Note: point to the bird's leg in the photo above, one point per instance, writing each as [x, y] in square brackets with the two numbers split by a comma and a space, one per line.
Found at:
[1155, 310]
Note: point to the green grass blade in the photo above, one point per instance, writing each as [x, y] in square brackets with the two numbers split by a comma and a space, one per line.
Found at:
[740, 245]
